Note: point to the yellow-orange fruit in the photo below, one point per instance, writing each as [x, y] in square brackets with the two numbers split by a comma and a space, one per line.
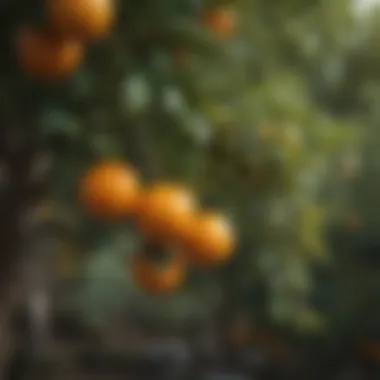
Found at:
[165, 211]
[210, 239]
[109, 190]
[221, 21]
[159, 277]
[82, 19]
[45, 57]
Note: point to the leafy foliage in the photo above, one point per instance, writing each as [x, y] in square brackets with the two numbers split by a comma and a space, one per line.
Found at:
[260, 124]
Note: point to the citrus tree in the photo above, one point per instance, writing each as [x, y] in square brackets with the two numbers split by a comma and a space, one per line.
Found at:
[196, 147]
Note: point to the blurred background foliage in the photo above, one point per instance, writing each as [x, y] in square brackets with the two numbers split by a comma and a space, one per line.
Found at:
[237, 118]
[269, 112]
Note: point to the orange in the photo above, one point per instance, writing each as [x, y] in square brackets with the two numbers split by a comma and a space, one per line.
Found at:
[158, 277]
[221, 21]
[44, 56]
[109, 190]
[210, 239]
[83, 19]
[165, 210]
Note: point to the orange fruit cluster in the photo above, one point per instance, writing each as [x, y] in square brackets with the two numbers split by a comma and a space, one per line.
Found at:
[57, 49]
[166, 214]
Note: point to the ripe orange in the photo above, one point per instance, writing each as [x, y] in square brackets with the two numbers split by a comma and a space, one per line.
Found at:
[159, 277]
[211, 239]
[44, 56]
[109, 190]
[221, 21]
[165, 210]
[83, 19]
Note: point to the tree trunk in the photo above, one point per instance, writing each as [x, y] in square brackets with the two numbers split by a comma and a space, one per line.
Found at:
[10, 254]
[17, 150]
[6, 333]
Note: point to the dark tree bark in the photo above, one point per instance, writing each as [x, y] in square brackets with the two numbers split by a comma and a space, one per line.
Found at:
[18, 149]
